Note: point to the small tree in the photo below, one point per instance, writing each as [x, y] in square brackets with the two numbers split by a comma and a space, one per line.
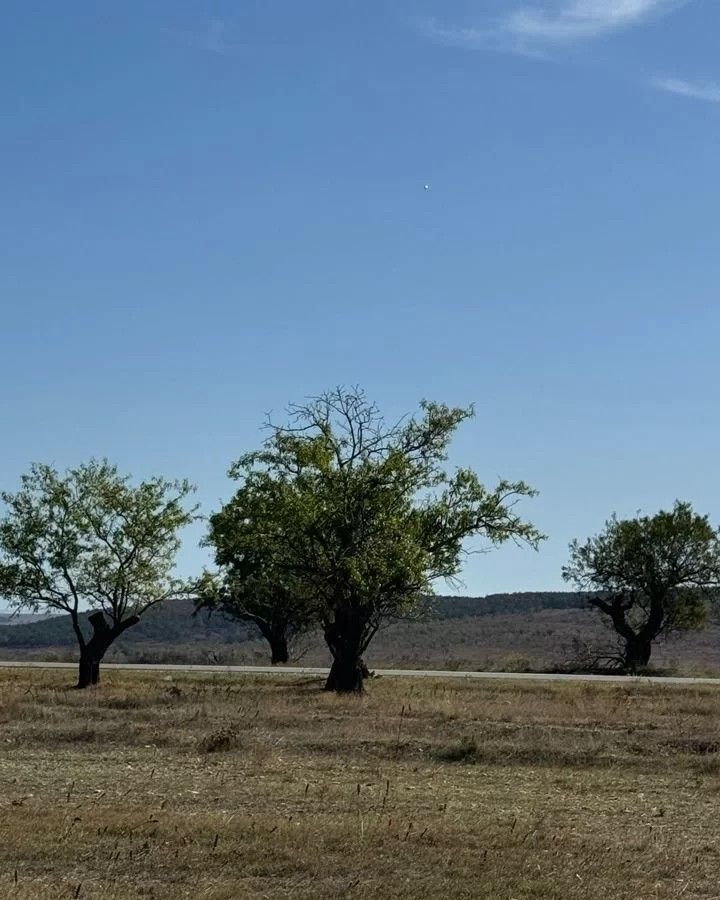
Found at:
[355, 519]
[89, 540]
[274, 613]
[652, 575]
[251, 536]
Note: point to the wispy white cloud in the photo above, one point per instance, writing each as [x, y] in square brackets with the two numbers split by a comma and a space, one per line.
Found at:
[582, 18]
[562, 22]
[708, 91]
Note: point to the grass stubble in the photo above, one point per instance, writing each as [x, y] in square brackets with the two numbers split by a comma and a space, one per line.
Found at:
[222, 787]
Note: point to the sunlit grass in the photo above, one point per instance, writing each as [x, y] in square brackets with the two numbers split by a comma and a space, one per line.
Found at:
[225, 788]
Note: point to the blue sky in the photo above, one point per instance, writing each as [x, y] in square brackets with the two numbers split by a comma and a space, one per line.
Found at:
[209, 210]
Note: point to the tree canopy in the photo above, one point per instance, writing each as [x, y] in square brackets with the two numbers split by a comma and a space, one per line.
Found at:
[653, 575]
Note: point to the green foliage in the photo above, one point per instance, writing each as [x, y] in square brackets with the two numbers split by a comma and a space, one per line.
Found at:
[356, 519]
[89, 539]
[253, 583]
[655, 574]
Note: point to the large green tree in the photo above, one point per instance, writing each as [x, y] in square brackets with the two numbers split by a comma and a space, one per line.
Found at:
[88, 540]
[354, 518]
[650, 577]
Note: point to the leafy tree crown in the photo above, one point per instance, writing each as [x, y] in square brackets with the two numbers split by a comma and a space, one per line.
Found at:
[88, 538]
[357, 513]
[669, 562]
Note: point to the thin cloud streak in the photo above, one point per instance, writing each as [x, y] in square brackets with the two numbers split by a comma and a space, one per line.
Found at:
[707, 91]
[583, 19]
[529, 28]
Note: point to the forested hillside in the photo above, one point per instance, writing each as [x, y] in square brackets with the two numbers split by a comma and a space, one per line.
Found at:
[503, 604]
[170, 624]
[506, 632]
[174, 623]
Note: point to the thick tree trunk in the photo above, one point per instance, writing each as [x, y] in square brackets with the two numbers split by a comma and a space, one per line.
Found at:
[346, 676]
[279, 650]
[89, 666]
[347, 637]
[85, 671]
[92, 653]
[638, 644]
[276, 636]
[637, 654]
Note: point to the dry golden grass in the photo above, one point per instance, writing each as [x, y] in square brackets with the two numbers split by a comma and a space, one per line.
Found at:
[227, 787]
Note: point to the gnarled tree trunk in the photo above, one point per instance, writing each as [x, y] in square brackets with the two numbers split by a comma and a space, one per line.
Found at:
[93, 651]
[346, 676]
[88, 670]
[346, 641]
[276, 636]
[638, 641]
[279, 653]
[638, 650]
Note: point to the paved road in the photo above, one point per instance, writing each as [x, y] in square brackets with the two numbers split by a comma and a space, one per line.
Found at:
[389, 673]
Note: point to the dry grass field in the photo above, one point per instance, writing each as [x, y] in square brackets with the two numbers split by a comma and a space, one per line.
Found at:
[228, 788]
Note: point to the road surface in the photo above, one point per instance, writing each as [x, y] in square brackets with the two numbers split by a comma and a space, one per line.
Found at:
[385, 673]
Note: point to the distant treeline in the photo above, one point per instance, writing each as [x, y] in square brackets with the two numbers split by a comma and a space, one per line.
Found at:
[174, 623]
[504, 604]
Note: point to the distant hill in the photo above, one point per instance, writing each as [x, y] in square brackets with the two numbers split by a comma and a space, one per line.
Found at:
[173, 624]
[170, 623]
[503, 604]
[530, 632]
[10, 619]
